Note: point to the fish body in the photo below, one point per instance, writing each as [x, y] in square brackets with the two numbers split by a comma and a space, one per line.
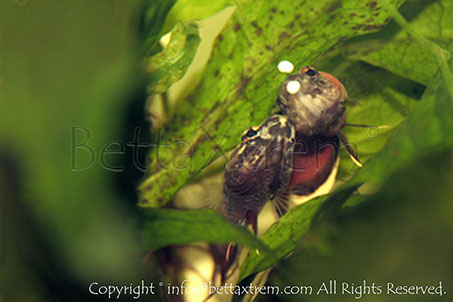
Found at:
[259, 169]
[315, 102]
[293, 153]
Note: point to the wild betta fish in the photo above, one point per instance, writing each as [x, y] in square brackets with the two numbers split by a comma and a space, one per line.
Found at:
[259, 170]
[269, 163]
[315, 102]
[293, 153]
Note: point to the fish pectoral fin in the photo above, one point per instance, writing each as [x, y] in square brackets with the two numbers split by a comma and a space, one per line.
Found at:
[252, 220]
[281, 203]
[349, 148]
[230, 262]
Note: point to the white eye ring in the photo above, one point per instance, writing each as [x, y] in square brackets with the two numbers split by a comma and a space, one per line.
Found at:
[293, 87]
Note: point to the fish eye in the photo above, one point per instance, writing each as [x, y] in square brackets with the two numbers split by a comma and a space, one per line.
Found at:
[310, 72]
[250, 133]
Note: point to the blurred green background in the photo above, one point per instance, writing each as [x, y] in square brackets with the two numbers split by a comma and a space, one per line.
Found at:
[67, 220]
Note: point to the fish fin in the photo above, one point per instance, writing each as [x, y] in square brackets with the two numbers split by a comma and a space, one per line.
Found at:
[230, 254]
[281, 203]
[358, 125]
[350, 150]
[252, 219]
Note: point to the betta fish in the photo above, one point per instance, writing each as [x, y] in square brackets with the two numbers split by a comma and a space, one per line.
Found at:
[315, 102]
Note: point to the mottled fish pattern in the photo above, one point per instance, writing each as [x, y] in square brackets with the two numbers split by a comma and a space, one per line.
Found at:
[259, 169]
[293, 153]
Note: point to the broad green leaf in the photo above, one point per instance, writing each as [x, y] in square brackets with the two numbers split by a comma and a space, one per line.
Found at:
[400, 52]
[194, 10]
[240, 83]
[400, 235]
[170, 65]
[429, 128]
[163, 227]
[283, 236]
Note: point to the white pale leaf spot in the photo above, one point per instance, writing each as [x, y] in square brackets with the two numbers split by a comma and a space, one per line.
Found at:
[285, 66]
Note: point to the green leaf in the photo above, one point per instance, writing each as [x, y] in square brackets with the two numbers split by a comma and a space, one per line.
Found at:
[401, 52]
[284, 235]
[155, 14]
[240, 83]
[194, 10]
[401, 235]
[428, 128]
[170, 65]
[163, 227]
